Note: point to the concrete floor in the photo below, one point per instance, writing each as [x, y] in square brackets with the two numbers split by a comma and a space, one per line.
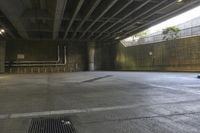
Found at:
[103, 102]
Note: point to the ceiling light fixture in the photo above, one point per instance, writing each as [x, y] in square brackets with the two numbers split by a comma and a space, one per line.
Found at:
[179, 0]
[2, 31]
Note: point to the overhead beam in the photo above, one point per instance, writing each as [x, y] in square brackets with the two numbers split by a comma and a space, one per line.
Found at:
[103, 19]
[26, 3]
[13, 10]
[123, 18]
[59, 13]
[160, 18]
[143, 16]
[49, 30]
[101, 15]
[115, 14]
[80, 3]
[96, 3]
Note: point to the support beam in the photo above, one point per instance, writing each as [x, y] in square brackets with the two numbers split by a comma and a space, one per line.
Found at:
[13, 10]
[126, 16]
[59, 13]
[80, 3]
[143, 15]
[101, 15]
[160, 19]
[96, 3]
[26, 3]
[115, 14]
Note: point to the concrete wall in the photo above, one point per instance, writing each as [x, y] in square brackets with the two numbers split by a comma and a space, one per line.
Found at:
[2, 56]
[77, 56]
[43, 50]
[32, 50]
[104, 56]
[178, 55]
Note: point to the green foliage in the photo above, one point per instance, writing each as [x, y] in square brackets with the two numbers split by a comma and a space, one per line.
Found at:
[170, 33]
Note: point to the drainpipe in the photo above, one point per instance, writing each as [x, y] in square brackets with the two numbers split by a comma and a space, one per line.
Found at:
[43, 63]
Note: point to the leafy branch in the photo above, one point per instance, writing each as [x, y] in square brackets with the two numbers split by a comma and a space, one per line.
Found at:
[170, 33]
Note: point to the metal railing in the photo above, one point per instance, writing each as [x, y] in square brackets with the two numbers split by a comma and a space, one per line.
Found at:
[183, 33]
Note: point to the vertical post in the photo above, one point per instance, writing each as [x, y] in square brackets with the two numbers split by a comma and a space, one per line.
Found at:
[2, 56]
[91, 53]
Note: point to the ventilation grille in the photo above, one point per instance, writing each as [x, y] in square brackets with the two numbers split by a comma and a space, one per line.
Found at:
[51, 125]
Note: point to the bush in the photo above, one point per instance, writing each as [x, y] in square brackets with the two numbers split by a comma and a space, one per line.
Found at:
[170, 33]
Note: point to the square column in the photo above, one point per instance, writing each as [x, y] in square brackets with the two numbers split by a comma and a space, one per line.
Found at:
[91, 54]
[2, 56]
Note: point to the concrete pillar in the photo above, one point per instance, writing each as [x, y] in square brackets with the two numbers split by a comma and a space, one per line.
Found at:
[2, 56]
[91, 53]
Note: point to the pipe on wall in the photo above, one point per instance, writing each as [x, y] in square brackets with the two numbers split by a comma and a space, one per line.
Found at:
[41, 63]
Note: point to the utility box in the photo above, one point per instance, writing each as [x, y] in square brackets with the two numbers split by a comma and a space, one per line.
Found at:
[2, 56]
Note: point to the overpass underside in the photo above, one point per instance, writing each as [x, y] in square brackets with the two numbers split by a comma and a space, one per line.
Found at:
[62, 63]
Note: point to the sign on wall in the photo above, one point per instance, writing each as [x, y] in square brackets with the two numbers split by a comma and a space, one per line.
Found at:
[20, 56]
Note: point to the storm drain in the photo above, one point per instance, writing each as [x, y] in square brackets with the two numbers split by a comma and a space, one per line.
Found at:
[51, 125]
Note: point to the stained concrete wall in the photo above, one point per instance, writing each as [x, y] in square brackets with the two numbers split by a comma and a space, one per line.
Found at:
[32, 50]
[177, 55]
[98, 58]
[44, 50]
[2, 56]
[104, 56]
[77, 57]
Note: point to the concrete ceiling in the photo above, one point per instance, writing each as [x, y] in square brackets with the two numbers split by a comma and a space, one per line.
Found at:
[84, 19]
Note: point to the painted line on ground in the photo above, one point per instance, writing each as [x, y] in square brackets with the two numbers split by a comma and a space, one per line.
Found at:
[4, 116]
[76, 111]
[177, 89]
[65, 112]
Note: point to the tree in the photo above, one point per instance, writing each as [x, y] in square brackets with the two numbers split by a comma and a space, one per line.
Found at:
[170, 33]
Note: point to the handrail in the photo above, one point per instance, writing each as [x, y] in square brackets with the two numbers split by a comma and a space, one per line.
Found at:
[183, 33]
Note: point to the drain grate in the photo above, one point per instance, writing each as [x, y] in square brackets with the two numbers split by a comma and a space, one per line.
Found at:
[51, 125]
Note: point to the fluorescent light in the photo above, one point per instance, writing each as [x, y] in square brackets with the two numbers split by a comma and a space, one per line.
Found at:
[179, 0]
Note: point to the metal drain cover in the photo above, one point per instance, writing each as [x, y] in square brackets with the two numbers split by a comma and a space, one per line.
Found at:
[51, 125]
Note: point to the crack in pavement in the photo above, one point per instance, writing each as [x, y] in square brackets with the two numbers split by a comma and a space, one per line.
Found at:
[98, 78]
[142, 117]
